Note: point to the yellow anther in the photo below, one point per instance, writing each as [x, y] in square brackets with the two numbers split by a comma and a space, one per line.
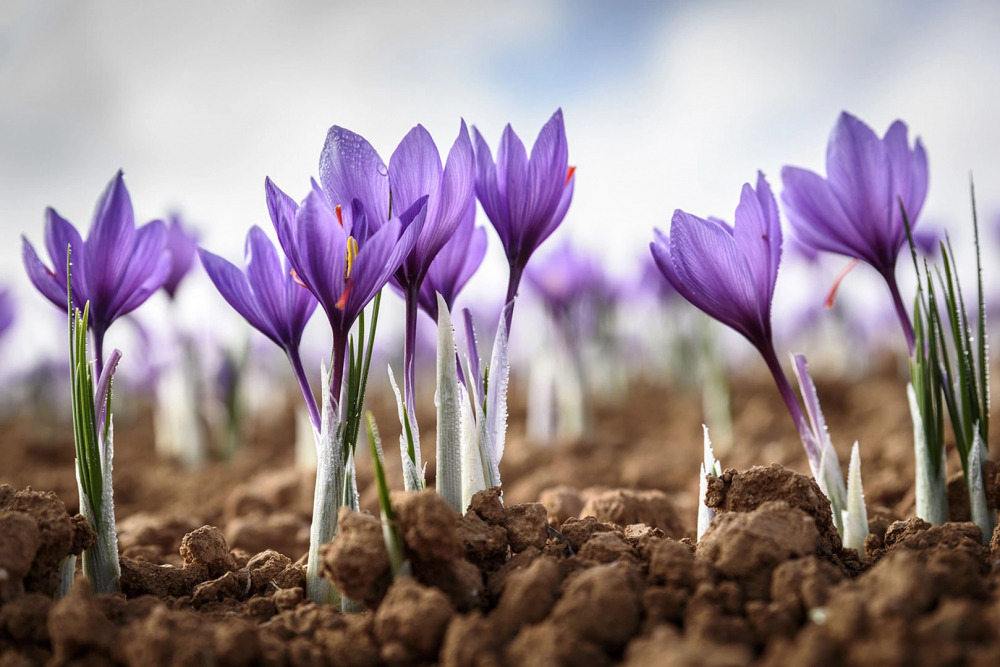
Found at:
[352, 252]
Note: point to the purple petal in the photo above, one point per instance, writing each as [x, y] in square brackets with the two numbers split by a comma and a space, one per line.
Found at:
[488, 191]
[859, 174]
[349, 169]
[60, 234]
[282, 209]
[548, 169]
[319, 250]
[267, 280]
[560, 213]
[909, 178]
[708, 262]
[109, 242]
[183, 247]
[818, 218]
[414, 169]
[448, 207]
[512, 183]
[143, 261]
[300, 302]
[44, 279]
[149, 286]
[235, 289]
[758, 235]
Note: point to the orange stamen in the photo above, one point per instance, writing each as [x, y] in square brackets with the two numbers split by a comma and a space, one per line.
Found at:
[831, 297]
[342, 301]
[295, 277]
[340, 215]
[569, 175]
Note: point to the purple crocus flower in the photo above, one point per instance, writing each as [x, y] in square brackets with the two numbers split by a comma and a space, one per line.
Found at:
[352, 171]
[183, 247]
[116, 269]
[342, 271]
[927, 240]
[524, 198]
[267, 297]
[568, 276]
[6, 311]
[730, 273]
[458, 260]
[855, 210]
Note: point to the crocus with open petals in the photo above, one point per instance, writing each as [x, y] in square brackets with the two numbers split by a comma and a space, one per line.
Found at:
[268, 298]
[458, 260]
[855, 210]
[116, 269]
[183, 246]
[525, 198]
[343, 272]
[730, 273]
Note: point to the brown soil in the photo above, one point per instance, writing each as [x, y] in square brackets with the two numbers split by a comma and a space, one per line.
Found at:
[587, 560]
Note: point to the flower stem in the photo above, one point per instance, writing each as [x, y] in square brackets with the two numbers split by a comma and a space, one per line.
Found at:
[337, 371]
[788, 395]
[300, 375]
[897, 302]
[410, 352]
[98, 350]
[512, 285]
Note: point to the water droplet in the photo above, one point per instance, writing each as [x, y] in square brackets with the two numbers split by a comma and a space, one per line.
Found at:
[382, 170]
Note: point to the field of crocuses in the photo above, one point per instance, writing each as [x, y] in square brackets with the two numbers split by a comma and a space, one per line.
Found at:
[596, 464]
[227, 531]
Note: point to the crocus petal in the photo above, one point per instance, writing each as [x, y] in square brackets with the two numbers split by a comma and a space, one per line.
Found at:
[547, 168]
[758, 235]
[183, 247]
[512, 183]
[59, 235]
[383, 254]
[154, 281]
[267, 280]
[349, 169]
[235, 289]
[282, 210]
[487, 189]
[860, 175]
[143, 260]
[909, 178]
[318, 251]
[817, 216]
[300, 302]
[565, 200]
[447, 207]
[414, 169]
[709, 263]
[43, 278]
[109, 242]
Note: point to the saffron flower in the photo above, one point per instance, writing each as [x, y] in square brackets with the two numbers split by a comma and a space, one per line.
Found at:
[730, 273]
[525, 198]
[344, 272]
[6, 311]
[116, 269]
[269, 299]
[567, 277]
[855, 210]
[458, 260]
[183, 246]
[352, 171]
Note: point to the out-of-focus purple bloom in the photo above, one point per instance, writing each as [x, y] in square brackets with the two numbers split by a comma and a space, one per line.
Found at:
[116, 269]
[343, 272]
[730, 273]
[727, 272]
[183, 247]
[525, 198]
[569, 275]
[458, 260]
[6, 311]
[927, 239]
[651, 283]
[268, 298]
[855, 210]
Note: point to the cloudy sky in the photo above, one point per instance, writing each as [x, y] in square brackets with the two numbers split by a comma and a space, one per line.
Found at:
[667, 105]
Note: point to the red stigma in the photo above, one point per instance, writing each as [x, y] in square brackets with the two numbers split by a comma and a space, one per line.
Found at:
[342, 301]
[340, 215]
[569, 175]
[295, 277]
[832, 295]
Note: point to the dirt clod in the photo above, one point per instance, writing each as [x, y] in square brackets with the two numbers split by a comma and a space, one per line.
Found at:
[527, 526]
[356, 561]
[429, 525]
[625, 506]
[208, 546]
[411, 622]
